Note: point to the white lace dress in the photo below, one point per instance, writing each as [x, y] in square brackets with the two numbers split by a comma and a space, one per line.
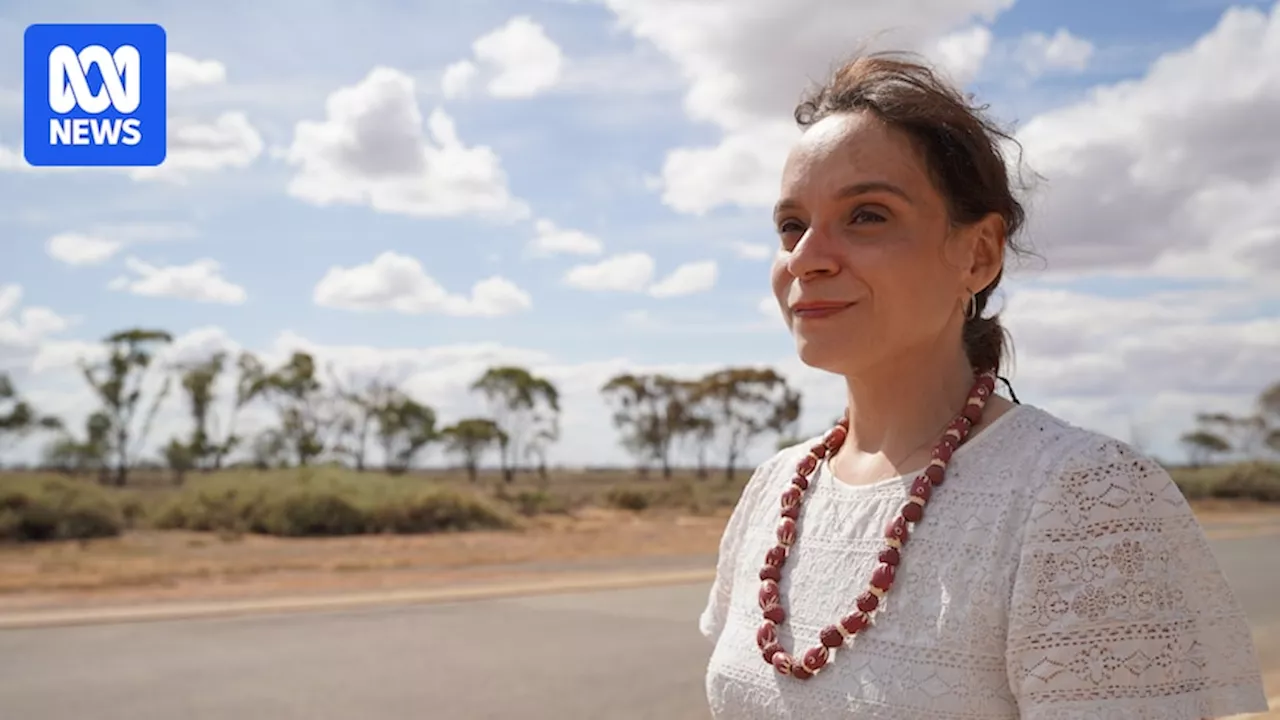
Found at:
[1057, 574]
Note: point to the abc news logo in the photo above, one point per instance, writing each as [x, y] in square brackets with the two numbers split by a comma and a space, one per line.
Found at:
[95, 95]
[69, 90]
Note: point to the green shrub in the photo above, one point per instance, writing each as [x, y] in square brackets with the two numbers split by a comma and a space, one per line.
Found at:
[1251, 481]
[629, 498]
[326, 502]
[533, 501]
[54, 508]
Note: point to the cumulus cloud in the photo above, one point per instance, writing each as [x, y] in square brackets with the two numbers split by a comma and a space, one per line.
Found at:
[399, 283]
[230, 141]
[518, 59]
[457, 78]
[1174, 173]
[747, 60]
[627, 272]
[961, 54]
[80, 249]
[552, 240]
[752, 251]
[1115, 363]
[687, 279]
[198, 281]
[634, 273]
[183, 71]
[371, 149]
[24, 328]
[1040, 53]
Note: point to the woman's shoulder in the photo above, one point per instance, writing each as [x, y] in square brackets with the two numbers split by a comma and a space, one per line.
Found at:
[1074, 459]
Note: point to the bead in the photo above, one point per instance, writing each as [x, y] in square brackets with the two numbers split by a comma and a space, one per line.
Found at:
[782, 662]
[890, 556]
[831, 636]
[893, 544]
[835, 438]
[798, 672]
[786, 532]
[776, 556]
[883, 577]
[769, 595]
[922, 488]
[973, 413]
[776, 614]
[801, 482]
[854, 623]
[791, 497]
[897, 530]
[934, 473]
[769, 572]
[792, 513]
[868, 602]
[770, 651]
[819, 451]
[807, 465]
[815, 658]
[912, 512]
[943, 451]
[767, 635]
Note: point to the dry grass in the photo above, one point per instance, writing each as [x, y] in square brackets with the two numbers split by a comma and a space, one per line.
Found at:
[588, 515]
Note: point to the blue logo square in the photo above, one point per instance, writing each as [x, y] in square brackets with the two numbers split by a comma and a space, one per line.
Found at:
[94, 95]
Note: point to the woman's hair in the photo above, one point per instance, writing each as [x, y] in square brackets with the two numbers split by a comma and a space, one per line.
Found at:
[961, 152]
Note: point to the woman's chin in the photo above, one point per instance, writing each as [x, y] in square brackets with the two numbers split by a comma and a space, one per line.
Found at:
[821, 354]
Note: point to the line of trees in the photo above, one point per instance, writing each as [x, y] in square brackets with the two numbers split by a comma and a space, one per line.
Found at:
[321, 417]
[1220, 435]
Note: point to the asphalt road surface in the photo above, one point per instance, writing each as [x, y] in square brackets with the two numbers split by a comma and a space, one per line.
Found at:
[622, 655]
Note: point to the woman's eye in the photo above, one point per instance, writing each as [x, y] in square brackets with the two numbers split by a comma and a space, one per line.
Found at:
[790, 226]
[866, 216]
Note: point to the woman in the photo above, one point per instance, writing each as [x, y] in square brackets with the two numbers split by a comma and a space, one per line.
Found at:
[945, 553]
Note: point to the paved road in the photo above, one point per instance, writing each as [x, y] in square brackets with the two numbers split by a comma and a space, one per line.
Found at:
[623, 655]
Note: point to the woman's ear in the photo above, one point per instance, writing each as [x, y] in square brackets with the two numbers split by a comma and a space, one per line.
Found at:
[986, 257]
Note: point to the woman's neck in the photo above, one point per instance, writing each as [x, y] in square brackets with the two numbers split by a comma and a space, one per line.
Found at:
[897, 411]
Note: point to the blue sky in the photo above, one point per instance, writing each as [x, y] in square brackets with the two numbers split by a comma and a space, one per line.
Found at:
[590, 149]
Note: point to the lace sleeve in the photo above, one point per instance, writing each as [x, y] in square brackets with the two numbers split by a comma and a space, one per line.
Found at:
[711, 623]
[1119, 610]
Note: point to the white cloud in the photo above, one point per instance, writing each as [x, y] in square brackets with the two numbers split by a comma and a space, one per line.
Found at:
[1040, 53]
[628, 272]
[230, 141]
[687, 279]
[960, 54]
[23, 330]
[768, 306]
[78, 249]
[745, 72]
[553, 240]
[752, 251]
[371, 150]
[198, 281]
[518, 58]
[457, 78]
[1109, 362]
[1175, 173]
[399, 283]
[183, 72]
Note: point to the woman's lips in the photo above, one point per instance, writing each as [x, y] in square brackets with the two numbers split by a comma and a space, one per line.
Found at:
[814, 310]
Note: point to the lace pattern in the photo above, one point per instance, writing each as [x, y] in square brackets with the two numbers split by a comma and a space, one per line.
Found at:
[1058, 574]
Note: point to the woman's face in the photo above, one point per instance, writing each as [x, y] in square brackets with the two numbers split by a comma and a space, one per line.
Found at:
[870, 270]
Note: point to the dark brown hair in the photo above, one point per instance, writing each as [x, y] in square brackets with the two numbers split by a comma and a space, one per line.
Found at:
[960, 148]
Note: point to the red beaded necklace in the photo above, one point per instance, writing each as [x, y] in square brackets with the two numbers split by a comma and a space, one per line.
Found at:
[834, 636]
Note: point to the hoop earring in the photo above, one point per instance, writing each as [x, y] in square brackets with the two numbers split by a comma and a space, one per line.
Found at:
[971, 307]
